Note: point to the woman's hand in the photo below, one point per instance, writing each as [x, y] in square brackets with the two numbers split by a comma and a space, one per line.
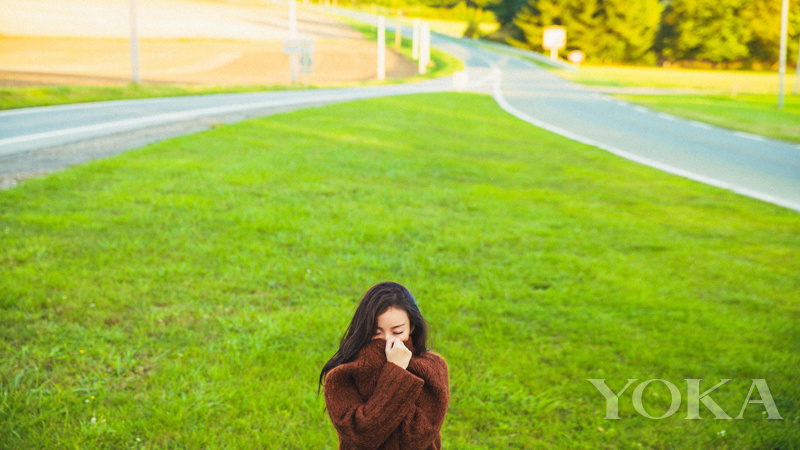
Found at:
[397, 352]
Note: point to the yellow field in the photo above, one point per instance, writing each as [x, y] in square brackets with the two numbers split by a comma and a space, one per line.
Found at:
[85, 61]
[711, 81]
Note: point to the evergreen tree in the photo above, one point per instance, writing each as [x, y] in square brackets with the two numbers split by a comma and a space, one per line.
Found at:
[506, 10]
[763, 18]
[629, 30]
[616, 30]
[577, 16]
[713, 30]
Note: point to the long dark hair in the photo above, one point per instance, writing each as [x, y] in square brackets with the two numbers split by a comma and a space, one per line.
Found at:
[375, 302]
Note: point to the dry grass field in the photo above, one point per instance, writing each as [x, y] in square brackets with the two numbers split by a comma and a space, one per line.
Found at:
[207, 42]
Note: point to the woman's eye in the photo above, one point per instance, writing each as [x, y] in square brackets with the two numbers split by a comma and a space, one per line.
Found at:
[397, 334]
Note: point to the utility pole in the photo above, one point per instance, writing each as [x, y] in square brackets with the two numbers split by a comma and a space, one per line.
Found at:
[381, 48]
[782, 59]
[135, 77]
[293, 61]
[797, 71]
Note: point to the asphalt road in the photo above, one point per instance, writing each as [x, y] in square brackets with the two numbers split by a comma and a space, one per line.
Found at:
[751, 165]
[747, 164]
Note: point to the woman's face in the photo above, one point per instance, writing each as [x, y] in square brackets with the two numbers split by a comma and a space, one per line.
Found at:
[393, 323]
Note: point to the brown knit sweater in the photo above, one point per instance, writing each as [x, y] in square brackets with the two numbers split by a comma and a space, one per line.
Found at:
[375, 404]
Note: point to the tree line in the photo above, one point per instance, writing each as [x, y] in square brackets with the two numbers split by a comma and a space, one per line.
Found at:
[727, 33]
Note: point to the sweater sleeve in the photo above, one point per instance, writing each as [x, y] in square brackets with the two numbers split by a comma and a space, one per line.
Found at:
[367, 424]
[423, 423]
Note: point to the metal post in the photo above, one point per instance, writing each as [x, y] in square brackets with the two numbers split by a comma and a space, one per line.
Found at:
[782, 64]
[381, 48]
[797, 71]
[135, 77]
[292, 19]
[293, 62]
[398, 31]
[415, 43]
[424, 47]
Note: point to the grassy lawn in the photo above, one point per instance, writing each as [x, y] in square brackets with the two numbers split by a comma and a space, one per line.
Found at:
[441, 64]
[186, 294]
[24, 97]
[449, 21]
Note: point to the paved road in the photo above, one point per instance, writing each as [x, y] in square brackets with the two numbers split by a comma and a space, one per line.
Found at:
[30, 129]
[751, 165]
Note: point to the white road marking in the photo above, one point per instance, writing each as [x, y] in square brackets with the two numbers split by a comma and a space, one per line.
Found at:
[700, 125]
[666, 116]
[315, 97]
[91, 105]
[641, 109]
[748, 136]
[132, 122]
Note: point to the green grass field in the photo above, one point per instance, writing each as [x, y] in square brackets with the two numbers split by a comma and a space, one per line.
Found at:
[186, 294]
[26, 97]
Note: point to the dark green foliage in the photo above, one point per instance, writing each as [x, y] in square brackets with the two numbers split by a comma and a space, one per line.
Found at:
[606, 30]
[745, 32]
[763, 19]
[713, 30]
[506, 10]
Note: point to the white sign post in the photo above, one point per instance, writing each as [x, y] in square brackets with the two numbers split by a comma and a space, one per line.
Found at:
[424, 47]
[292, 19]
[381, 48]
[398, 31]
[299, 50]
[554, 39]
[295, 48]
[135, 77]
[292, 52]
[415, 43]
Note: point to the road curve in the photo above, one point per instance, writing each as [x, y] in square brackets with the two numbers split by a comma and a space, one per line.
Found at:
[751, 165]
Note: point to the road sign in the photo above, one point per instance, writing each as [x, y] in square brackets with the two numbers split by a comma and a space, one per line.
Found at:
[305, 63]
[576, 57]
[297, 46]
[554, 38]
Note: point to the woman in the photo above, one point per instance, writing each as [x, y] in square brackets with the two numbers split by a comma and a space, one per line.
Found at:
[383, 388]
